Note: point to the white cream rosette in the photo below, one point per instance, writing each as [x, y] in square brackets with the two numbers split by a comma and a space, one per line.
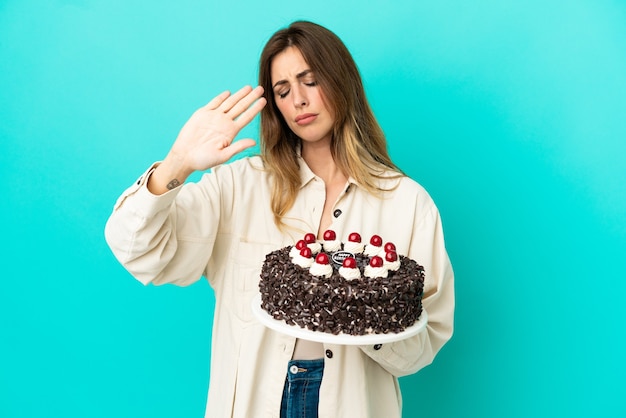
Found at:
[372, 250]
[304, 262]
[331, 246]
[315, 247]
[392, 265]
[321, 270]
[294, 252]
[354, 247]
[349, 273]
[374, 272]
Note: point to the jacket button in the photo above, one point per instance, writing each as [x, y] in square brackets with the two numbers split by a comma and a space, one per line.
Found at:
[377, 346]
[336, 213]
[329, 354]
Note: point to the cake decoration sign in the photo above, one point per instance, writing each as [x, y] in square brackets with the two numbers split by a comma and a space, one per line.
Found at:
[339, 256]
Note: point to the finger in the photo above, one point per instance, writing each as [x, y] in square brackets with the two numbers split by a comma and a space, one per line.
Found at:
[217, 100]
[245, 102]
[232, 100]
[249, 114]
[237, 147]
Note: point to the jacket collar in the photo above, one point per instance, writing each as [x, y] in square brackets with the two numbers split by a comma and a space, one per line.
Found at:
[306, 175]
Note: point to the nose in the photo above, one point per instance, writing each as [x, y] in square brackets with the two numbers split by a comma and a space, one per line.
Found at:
[299, 96]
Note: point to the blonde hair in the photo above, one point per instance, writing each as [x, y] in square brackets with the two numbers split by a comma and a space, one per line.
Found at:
[358, 144]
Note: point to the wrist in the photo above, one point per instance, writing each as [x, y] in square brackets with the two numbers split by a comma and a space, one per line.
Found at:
[176, 165]
[167, 176]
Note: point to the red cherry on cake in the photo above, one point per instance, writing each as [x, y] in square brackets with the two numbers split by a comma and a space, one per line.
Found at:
[321, 258]
[390, 246]
[376, 241]
[349, 263]
[376, 261]
[300, 244]
[329, 235]
[354, 237]
[391, 256]
[306, 252]
[309, 238]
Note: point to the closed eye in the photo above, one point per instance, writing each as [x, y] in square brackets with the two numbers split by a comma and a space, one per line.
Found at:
[284, 94]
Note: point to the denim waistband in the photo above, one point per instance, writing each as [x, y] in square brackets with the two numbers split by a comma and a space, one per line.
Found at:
[305, 370]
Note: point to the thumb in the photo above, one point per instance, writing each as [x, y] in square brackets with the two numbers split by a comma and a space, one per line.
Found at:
[238, 146]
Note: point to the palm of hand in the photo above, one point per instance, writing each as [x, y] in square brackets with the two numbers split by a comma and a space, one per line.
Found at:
[206, 140]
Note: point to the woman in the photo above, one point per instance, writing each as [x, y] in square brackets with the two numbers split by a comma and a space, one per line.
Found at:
[323, 164]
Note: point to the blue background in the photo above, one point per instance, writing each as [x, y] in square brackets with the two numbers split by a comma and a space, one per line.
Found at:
[512, 114]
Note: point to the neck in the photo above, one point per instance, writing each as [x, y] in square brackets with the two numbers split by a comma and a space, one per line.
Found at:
[320, 160]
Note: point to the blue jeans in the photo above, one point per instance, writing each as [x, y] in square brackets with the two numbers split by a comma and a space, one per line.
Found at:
[302, 389]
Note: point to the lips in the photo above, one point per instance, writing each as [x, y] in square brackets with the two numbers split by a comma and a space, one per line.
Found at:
[305, 118]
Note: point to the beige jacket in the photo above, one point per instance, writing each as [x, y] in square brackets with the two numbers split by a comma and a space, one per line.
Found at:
[222, 227]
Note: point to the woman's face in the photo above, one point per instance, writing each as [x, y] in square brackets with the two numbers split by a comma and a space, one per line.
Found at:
[299, 98]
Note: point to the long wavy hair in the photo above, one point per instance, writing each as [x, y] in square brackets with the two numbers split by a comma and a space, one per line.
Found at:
[358, 144]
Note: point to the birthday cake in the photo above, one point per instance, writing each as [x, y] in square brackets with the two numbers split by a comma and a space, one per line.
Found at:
[342, 287]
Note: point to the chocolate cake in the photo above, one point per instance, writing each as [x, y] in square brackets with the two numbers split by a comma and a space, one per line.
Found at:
[348, 288]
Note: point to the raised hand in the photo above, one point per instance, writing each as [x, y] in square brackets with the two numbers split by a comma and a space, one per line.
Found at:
[206, 139]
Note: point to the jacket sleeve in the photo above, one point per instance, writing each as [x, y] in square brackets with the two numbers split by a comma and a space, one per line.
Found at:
[157, 239]
[428, 249]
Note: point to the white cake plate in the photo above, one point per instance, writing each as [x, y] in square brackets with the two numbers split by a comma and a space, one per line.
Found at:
[341, 339]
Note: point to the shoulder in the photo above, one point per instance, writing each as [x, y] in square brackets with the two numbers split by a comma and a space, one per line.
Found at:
[408, 185]
[400, 186]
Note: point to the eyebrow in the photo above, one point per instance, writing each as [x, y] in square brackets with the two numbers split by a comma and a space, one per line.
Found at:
[298, 76]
